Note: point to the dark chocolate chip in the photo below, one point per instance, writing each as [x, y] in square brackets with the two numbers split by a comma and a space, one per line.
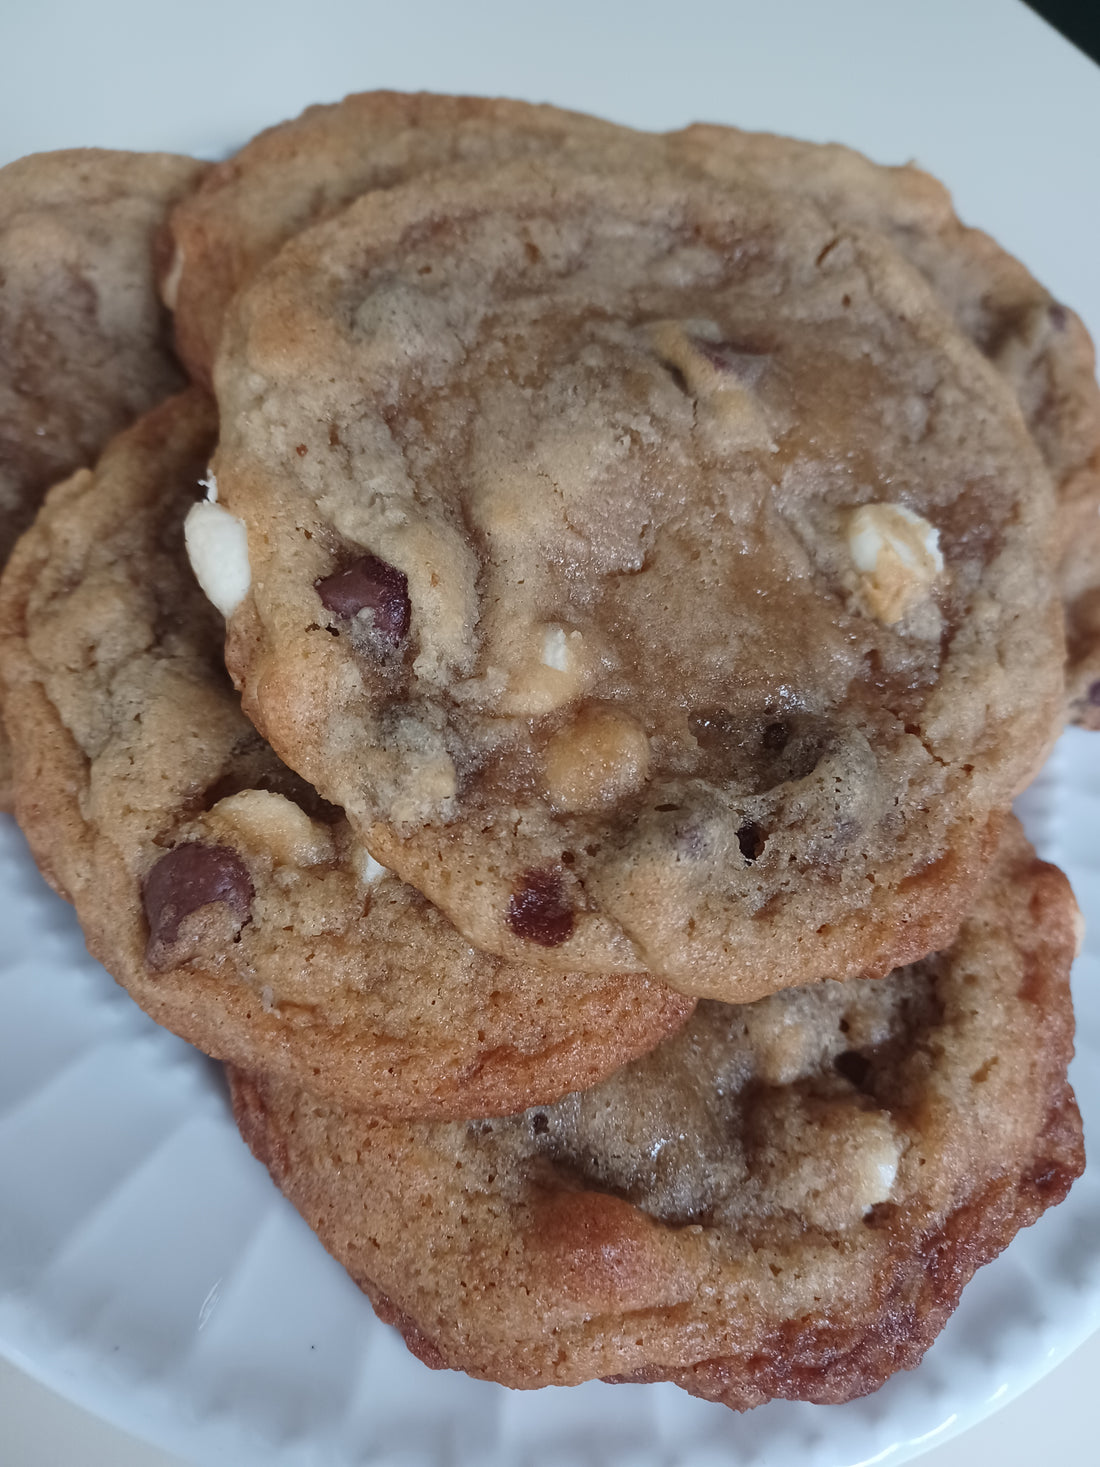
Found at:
[189, 877]
[540, 1123]
[1094, 695]
[370, 584]
[538, 911]
[775, 736]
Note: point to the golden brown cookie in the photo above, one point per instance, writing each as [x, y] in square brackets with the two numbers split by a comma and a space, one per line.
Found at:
[232, 902]
[658, 579]
[1037, 343]
[783, 1200]
[301, 171]
[83, 344]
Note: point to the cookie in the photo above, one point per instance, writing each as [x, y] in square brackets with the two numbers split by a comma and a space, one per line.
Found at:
[783, 1200]
[303, 170]
[1037, 343]
[82, 331]
[657, 579]
[228, 898]
[83, 344]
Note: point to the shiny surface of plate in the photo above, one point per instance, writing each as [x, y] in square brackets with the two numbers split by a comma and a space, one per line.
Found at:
[149, 1270]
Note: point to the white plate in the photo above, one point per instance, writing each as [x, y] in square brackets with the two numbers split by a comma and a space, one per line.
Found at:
[147, 1268]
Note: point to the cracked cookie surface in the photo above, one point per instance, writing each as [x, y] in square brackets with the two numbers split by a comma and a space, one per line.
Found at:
[231, 901]
[655, 576]
[783, 1200]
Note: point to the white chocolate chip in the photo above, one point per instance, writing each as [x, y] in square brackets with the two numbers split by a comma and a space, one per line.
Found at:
[897, 554]
[835, 1161]
[784, 1047]
[555, 649]
[675, 344]
[875, 1178]
[217, 547]
[597, 759]
[887, 1176]
[272, 825]
[1078, 931]
[553, 670]
[733, 407]
[367, 868]
[169, 291]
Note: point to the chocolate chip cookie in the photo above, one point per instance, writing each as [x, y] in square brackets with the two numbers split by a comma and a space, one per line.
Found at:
[235, 904]
[655, 575]
[82, 332]
[1036, 342]
[303, 170]
[83, 344]
[783, 1200]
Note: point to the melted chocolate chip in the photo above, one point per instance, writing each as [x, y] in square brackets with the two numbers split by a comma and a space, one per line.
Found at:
[538, 911]
[370, 584]
[189, 877]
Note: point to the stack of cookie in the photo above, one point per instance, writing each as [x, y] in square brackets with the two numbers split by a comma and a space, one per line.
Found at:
[544, 703]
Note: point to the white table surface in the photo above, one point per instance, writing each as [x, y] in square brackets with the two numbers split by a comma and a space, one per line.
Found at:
[974, 89]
